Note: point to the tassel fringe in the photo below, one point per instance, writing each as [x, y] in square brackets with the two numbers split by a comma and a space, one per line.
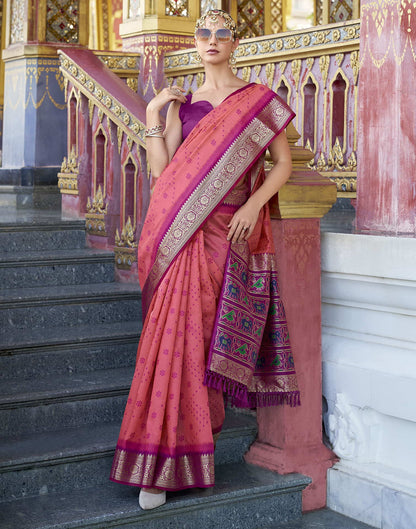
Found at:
[240, 397]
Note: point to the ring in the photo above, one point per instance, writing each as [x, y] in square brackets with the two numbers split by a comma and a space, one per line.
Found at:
[245, 228]
[176, 91]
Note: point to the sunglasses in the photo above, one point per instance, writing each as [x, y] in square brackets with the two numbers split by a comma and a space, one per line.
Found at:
[222, 34]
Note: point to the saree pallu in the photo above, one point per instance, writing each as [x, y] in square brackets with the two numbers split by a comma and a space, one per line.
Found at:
[172, 417]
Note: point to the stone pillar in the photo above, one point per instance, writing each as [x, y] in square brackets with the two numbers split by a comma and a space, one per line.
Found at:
[35, 121]
[386, 182]
[290, 439]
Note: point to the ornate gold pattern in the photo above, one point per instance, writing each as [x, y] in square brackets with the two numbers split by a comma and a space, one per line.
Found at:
[97, 205]
[95, 216]
[43, 81]
[127, 236]
[178, 8]
[125, 257]
[68, 177]
[210, 191]
[99, 97]
[340, 11]
[17, 10]
[62, 21]
[276, 13]
[141, 470]
[250, 18]
[271, 48]
[398, 15]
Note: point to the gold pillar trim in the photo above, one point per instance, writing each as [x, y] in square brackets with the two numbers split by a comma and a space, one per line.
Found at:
[307, 194]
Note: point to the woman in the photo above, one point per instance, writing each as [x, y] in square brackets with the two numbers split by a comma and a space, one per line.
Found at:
[214, 318]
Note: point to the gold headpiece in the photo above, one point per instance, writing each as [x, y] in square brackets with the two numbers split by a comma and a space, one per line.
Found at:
[213, 15]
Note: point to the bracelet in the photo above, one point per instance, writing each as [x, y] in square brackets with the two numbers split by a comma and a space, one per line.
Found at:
[154, 130]
[155, 136]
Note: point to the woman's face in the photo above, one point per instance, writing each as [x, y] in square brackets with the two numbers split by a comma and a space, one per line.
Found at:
[213, 50]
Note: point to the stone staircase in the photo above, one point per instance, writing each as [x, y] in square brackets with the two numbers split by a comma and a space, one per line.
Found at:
[68, 340]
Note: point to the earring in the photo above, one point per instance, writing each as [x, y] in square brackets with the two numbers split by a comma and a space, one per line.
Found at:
[233, 62]
[198, 58]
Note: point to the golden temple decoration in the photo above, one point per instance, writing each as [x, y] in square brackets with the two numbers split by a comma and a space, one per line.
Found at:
[296, 66]
[339, 57]
[119, 138]
[324, 67]
[270, 69]
[282, 66]
[105, 102]
[95, 216]
[270, 48]
[97, 205]
[355, 65]
[307, 194]
[246, 74]
[127, 236]
[68, 176]
[344, 175]
[62, 21]
[125, 257]
[17, 15]
[310, 62]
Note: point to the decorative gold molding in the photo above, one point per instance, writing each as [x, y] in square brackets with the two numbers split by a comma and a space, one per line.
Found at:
[100, 98]
[330, 39]
[68, 177]
[125, 257]
[126, 239]
[95, 216]
[307, 194]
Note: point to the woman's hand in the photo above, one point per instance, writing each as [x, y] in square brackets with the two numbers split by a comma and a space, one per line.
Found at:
[174, 93]
[243, 222]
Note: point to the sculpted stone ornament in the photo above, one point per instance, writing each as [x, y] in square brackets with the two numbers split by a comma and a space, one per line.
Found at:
[353, 432]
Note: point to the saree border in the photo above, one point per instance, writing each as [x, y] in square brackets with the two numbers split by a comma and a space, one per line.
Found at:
[142, 469]
[214, 187]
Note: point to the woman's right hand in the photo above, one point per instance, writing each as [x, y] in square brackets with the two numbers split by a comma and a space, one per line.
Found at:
[168, 94]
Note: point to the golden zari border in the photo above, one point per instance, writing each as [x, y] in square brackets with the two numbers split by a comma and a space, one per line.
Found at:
[174, 473]
[216, 185]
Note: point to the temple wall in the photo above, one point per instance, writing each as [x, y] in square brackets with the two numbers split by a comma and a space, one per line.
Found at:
[369, 376]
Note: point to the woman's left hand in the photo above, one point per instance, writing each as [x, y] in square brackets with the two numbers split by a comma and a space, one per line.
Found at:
[243, 222]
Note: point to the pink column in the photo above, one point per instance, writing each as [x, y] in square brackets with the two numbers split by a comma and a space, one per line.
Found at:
[386, 182]
[290, 439]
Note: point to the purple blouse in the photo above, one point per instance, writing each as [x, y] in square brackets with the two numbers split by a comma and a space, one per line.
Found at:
[191, 113]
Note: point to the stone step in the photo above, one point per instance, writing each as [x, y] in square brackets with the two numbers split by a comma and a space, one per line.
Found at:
[66, 306]
[62, 235]
[66, 401]
[111, 350]
[244, 496]
[61, 461]
[58, 267]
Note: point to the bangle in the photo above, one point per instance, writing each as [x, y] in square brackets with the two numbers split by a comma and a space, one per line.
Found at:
[152, 131]
[155, 136]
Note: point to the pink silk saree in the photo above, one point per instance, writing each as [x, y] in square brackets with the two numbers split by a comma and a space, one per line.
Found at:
[214, 319]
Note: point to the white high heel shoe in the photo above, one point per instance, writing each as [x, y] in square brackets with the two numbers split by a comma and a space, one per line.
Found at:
[148, 501]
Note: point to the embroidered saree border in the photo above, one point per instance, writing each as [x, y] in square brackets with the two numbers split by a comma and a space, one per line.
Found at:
[144, 469]
[232, 165]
